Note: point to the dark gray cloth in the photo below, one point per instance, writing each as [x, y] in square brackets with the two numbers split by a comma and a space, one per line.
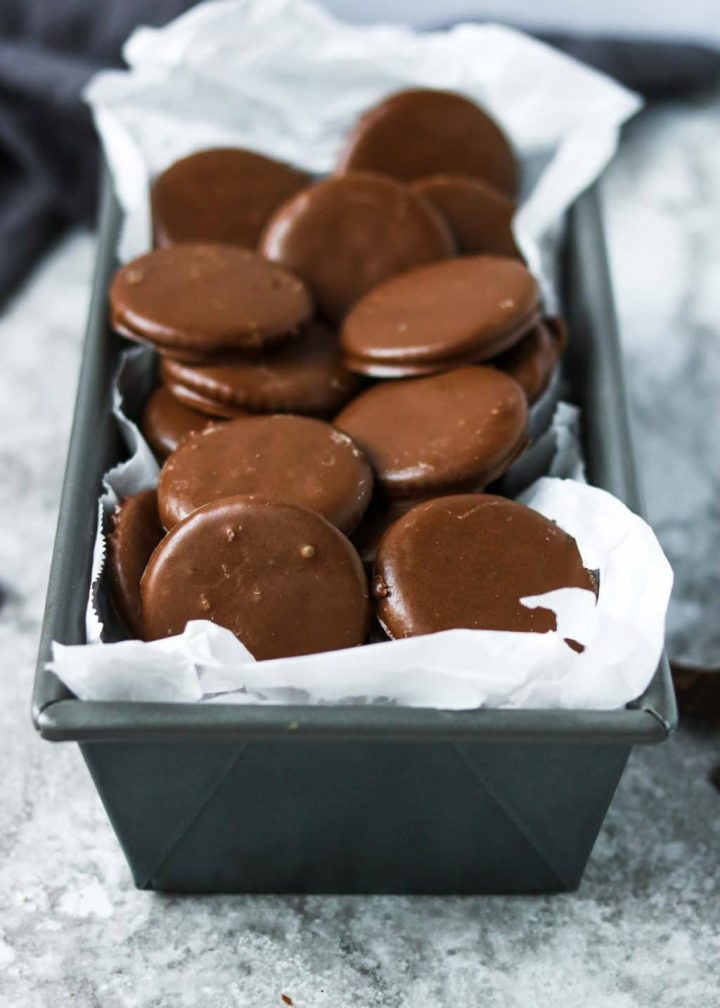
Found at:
[659, 70]
[48, 152]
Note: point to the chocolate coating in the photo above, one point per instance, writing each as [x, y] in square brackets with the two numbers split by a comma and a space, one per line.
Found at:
[222, 195]
[305, 375]
[199, 403]
[466, 561]
[293, 460]
[454, 431]
[344, 236]
[195, 301]
[420, 132]
[440, 316]
[282, 579]
[166, 422]
[378, 518]
[479, 217]
[532, 361]
[135, 532]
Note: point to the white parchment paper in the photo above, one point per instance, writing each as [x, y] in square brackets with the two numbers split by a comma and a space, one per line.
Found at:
[284, 78]
[456, 669]
[623, 633]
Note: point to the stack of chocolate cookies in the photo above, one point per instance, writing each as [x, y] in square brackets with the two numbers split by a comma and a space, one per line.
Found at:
[345, 365]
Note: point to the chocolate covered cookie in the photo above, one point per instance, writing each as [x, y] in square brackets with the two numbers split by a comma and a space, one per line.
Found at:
[135, 531]
[344, 236]
[450, 432]
[479, 216]
[466, 561]
[305, 375]
[441, 316]
[222, 195]
[282, 579]
[293, 460]
[532, 361]
[199, 301]
[380, 515]
[421, 132]
[166, 422]
[199, 403]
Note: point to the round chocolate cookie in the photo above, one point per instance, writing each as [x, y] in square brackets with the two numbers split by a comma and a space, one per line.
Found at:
[532, 361]
[134, 533]
[222, 195]
[305, 375]
[466, 561]
[412, 134]
[454, 431]
[290, 459]
[346, 235]
[166, 422]
[479, 217]
[199, 403]
[282, 579]
[380, 515]
[441, 316]
[198, 301]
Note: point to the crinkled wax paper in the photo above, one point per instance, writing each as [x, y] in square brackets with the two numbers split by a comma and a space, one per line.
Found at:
[622, 633]
[284, 78]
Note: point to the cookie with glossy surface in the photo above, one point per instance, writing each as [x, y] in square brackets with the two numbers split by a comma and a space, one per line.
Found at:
[221, 195]
[532, 361]
[380, 515]
[294, 460]
[166, 422]
[200, 301]
[466, 561]
[421, 132]
[440, 316]
[449, 432]
[200, 403]
[135, 531]
[304, 375]
[282, 579]
[346, 235]
[479, 216]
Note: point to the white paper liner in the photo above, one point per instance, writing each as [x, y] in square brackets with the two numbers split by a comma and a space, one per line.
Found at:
[457, 669]
[284, 78]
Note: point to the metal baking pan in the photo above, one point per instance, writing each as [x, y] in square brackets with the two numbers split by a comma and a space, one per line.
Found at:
[349, 799]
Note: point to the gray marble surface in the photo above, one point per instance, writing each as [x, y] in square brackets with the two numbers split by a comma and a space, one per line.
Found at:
[644, 929]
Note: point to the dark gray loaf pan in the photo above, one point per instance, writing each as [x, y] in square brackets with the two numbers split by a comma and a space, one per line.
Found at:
[349, 799]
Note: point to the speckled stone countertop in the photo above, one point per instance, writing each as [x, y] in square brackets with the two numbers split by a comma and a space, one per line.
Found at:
[644, 928]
